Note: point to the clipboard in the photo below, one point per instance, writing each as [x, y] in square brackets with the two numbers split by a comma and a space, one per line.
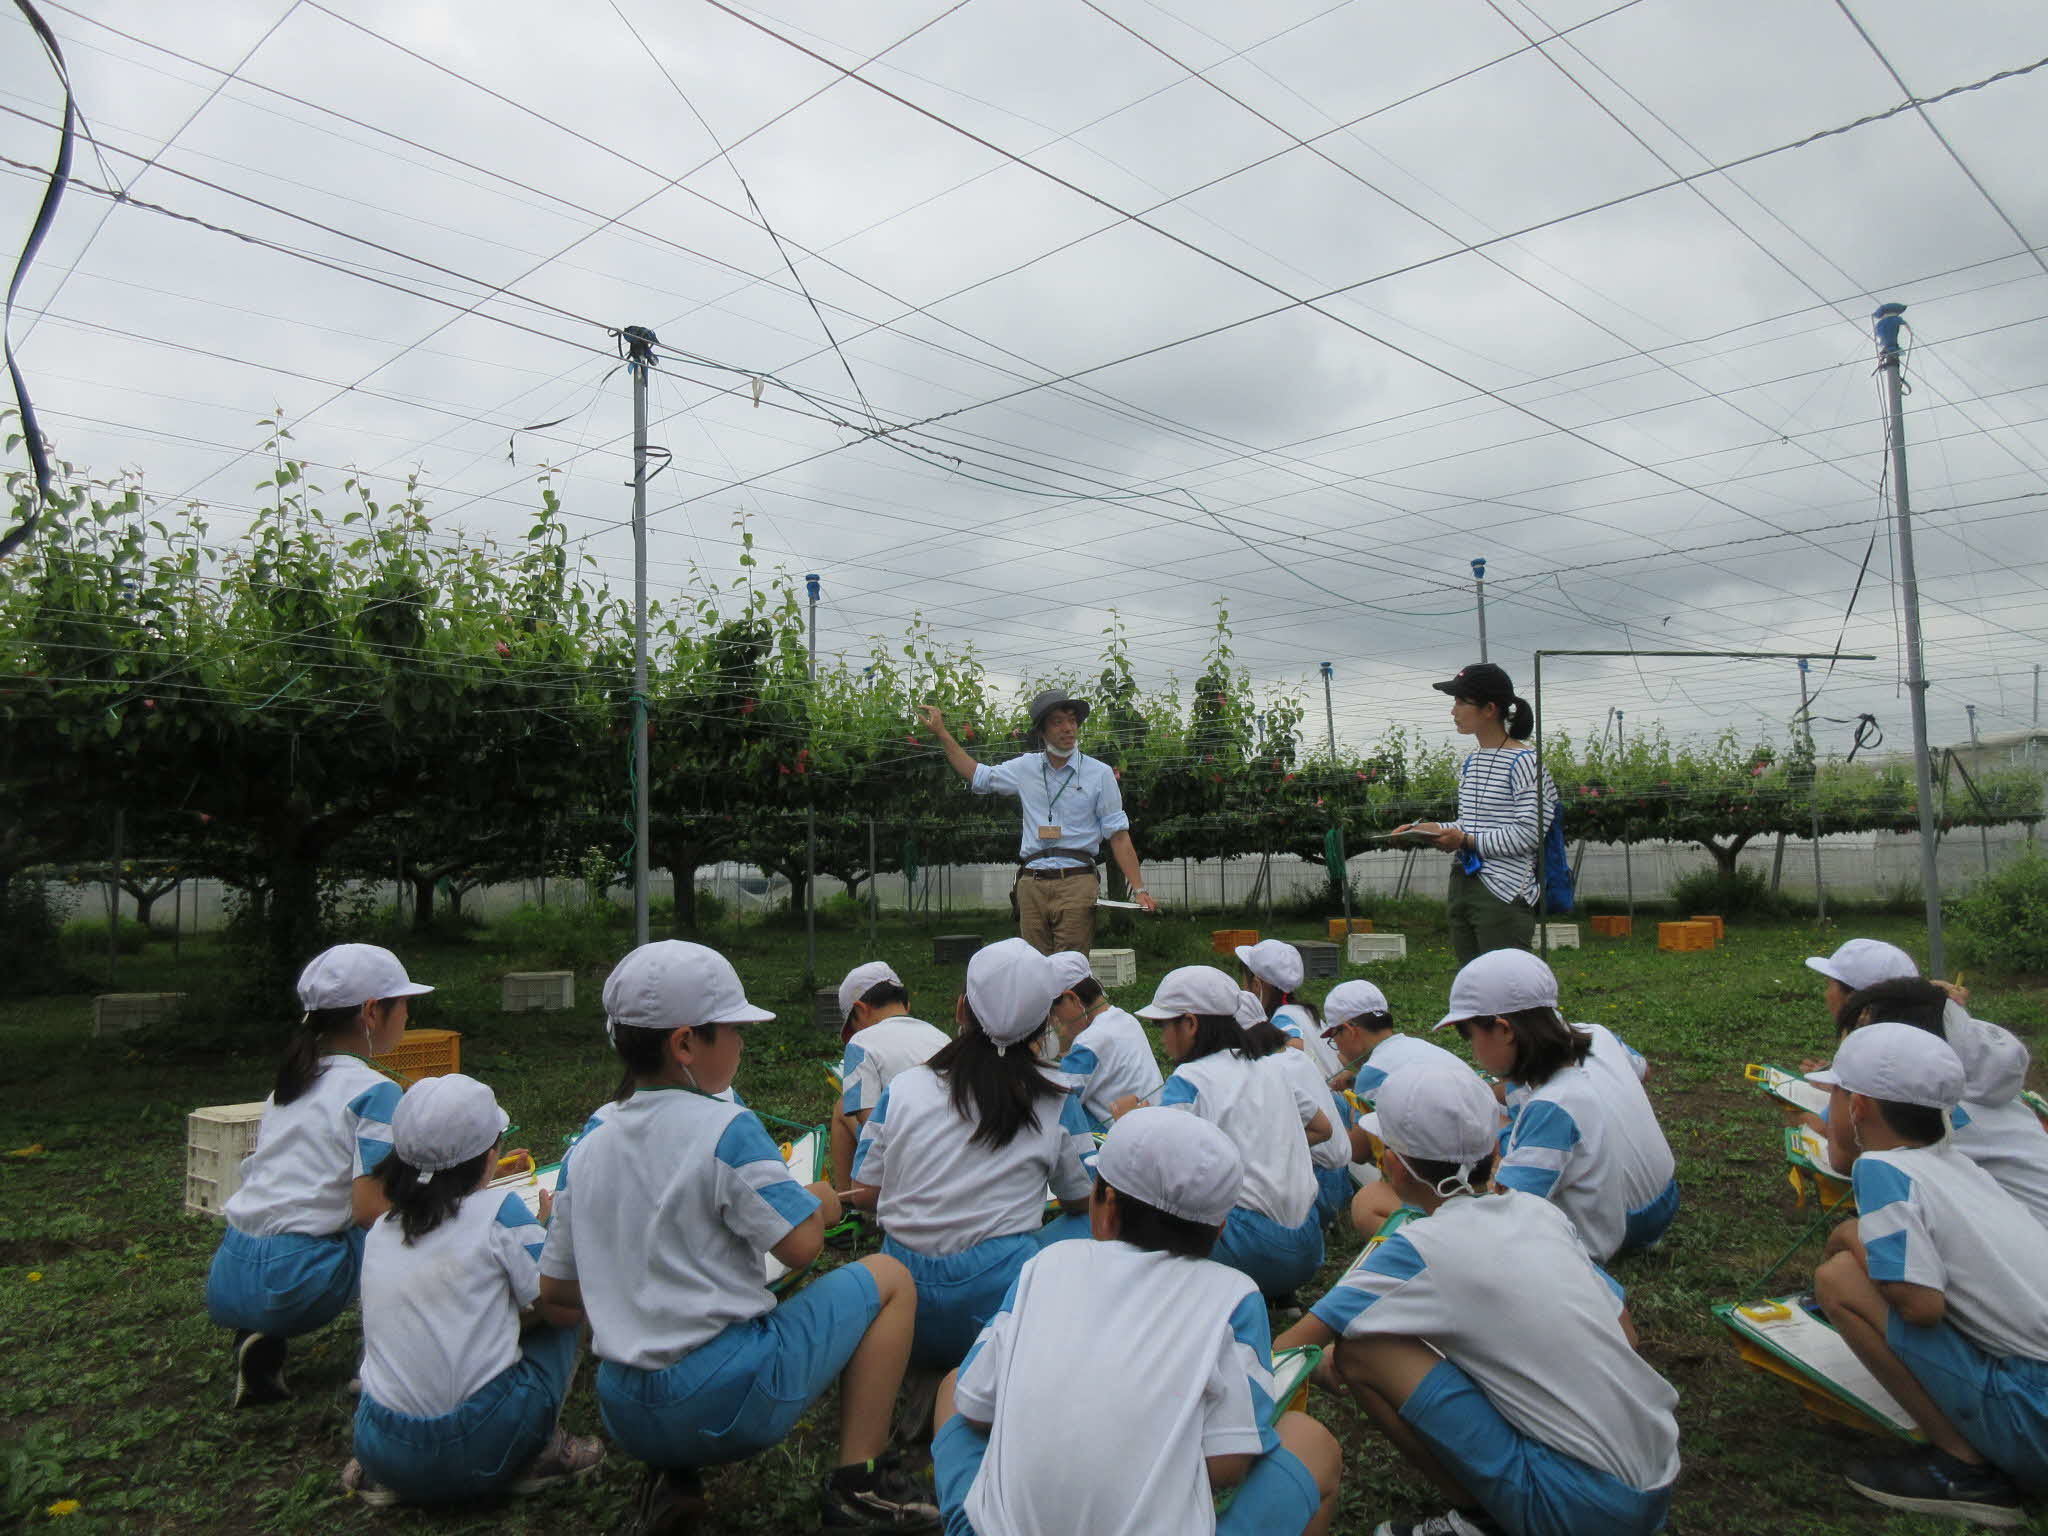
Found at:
[1785, 1337]
[1406, 839]
[1292, 1369]
[1810, 1172]
[1121, 906]
[2036, 1103]
[1789, 1087]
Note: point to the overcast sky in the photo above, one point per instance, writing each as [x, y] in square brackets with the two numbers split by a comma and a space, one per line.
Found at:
[1300, 304]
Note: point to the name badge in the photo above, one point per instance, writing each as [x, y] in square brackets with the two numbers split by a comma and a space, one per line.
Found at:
[1048, 834]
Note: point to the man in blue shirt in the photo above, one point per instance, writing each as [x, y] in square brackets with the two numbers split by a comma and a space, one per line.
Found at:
[1071, 807]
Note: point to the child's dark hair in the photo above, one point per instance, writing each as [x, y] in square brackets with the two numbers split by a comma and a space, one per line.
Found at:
[1433, 1173]
[643, 1052]
[998, 1090]
[1371, 1023]
[1221, 1032]
[1515, 716]
[1902, 1000]
[419, 1208]
[882, 994]
[1156, 1231]
[1089, 990]
[1912, 1122]
[301, 1067]
[1544, 1044]
[1272, 997]
[1263, 1039]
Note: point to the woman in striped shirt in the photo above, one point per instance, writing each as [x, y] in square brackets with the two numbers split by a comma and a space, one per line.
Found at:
[1496, 839]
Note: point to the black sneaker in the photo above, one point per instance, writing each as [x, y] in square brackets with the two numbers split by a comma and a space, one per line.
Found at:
[877, 1495]
[1452, 1522]
[1932, 1482]
[259, 1370]
[669, 1503]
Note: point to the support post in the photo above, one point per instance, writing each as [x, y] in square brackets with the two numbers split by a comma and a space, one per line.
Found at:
[1330, 712]
[812, 587]
[1888, 321]
[1628, 849]
[1479, 594]
[874, 892]
[1820, 895]
[114, 898]
[640, 359]
[1542, 887]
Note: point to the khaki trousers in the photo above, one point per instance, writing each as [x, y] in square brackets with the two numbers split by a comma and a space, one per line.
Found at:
[1057, 914]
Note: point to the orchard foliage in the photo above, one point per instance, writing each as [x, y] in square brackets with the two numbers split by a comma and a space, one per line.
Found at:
[348, 689]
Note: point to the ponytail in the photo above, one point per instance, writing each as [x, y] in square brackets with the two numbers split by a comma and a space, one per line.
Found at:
[1262, 1039]
[997, 1090]
[1221, 1032]
[418, 1204]
[1517, 719]
[301, 1067]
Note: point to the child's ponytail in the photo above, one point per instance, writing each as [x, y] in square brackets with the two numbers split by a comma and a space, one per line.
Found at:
[301, 1067]
[998, 1090]
[418, 1204]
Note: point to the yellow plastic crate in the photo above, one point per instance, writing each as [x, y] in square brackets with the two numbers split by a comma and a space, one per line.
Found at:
[1613, 927]
[1358, 925]
[1685, 936]
[422, 1053]
[217, 1138]
[1224, 940]
[1720, 928]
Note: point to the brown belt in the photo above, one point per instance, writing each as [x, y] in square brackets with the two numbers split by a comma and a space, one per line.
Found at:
[1055, 874]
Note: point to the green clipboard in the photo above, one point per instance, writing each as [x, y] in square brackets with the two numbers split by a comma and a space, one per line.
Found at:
[1810, 1172]
[1783, 1337]
[1788, 1087]
[2036, 1103]
[1291, 1371]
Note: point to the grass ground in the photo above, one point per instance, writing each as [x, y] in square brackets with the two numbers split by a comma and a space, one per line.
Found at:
[115, 1386]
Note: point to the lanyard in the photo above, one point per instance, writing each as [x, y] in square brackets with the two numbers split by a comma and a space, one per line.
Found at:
[1045, 779]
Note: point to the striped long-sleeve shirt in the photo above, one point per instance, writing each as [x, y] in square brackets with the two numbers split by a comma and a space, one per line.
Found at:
[1498, 789]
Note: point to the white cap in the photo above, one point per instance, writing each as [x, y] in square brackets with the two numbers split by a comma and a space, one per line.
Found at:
[1498, 982]
[442, 1122]
[1864, 963]
[862, 980]
[673, 985]
[1273, 960]
[1070, 968]
[1350, 999]
[1440, 1114]
[1250, 1011]
[1010, 987]
[349, 975]
[1175, 1161]
[1896, 1063]
[1192, 989]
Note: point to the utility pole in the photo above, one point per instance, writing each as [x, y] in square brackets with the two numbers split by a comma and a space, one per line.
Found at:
[1330, 713]
[1971, 711]
[640, 358]
[1888, 321]
[1479, 592]
[1628, 849]
[812, 587]
[2037, 693]
[1820, 897]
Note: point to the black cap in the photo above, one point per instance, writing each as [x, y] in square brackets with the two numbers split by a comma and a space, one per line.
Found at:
[1057, 698]
[1482, 682]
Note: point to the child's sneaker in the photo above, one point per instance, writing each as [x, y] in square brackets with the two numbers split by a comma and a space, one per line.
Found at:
[566, 1457]
[358, 1482]
[1452, 1522]
[878, 1495]
[1932, 1482]
[259, 1370]
[669, 1503]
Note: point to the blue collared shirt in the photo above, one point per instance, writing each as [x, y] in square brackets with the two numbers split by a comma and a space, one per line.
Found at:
[1081, 798]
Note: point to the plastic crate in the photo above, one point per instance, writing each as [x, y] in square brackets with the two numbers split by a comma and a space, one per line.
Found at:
[422, 1053]
[1613, 927]
[1720, 928]
[1224, 940]
[115, 1013]
[1113, 967]
[1684, 937]
[954, 948]
[1560, 935]
[1358, 925]
[1318, 957]
[1370, 948]
[825, 1009]
[216, 1140]
[538, 991]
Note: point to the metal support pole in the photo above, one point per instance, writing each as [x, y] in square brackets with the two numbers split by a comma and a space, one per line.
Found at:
[812, 587]
[1479, 593]
[1542, 887]
[1820, 895]
[1330, 713]
[1889, 319]
[2037, 693]
[874, 890]
[1343, 863]
[1971, 711]
[1628, 849]
[114, 897]
[640, 359]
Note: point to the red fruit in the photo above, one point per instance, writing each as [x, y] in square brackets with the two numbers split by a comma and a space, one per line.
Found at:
[1289, 779]
[1359, 776]
[783, 769]
[967, 733]
[149, 703]
[750, 706]
[504, 649]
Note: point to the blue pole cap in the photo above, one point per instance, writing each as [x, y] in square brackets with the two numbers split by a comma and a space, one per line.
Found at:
[811, 585]
[1479, 567]
[1326, 669]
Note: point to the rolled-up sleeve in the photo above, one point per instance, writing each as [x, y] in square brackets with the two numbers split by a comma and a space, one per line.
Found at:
[996, 778]
[1109, 804]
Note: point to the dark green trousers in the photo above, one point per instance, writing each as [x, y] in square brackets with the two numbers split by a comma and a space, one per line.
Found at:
[1481, 921]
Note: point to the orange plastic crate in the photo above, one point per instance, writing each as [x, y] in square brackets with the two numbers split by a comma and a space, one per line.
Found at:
[1685, 936]
[1224, 940]
[1720, 928]
[1358, 925]
[1613, 927]
[422, 1053]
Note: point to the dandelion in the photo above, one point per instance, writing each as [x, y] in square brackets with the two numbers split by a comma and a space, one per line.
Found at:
[61, 1508]
[35, 1277]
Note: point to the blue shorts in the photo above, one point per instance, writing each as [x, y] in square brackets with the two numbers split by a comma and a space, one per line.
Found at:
[957, 1293]
[1998, 1404]
[744, 1390]
[1334, 1189]
[1278, 1259]
[482, 1445]
[1527, 1486]
[286, 1285]
[1277, 1498]
[1644, 1227]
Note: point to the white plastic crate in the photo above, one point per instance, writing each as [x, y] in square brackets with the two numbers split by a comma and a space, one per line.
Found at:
[216, 1141]
[1366, 948]
[539, 991]
[1561, 935]
[115, 1013]
[1113, 967]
